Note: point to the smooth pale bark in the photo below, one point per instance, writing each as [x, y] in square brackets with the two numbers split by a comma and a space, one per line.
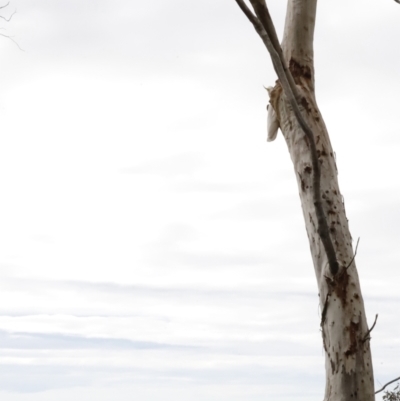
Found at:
[345, 334]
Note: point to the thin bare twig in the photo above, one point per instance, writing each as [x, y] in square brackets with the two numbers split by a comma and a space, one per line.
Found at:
[354, 256]
[367, 337]
[392, 381]
[10, 37]
[266, 30]
[9, 18]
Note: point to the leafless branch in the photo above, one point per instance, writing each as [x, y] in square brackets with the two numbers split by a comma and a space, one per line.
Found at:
[247, 12]
[9, 18]
[397, 1]
[268, 35]
[397, 378]
[367, 337]
[262, 12]
[354, 256]
[11, 38]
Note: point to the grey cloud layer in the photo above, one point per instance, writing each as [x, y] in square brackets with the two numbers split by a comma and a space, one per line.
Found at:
[34, 341]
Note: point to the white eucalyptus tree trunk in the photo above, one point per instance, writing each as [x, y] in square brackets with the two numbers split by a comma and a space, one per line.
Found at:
[345, 333]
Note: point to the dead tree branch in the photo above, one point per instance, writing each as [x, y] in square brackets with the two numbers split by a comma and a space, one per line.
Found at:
[367, 337]
[9, 18]
[264, 26]
[12, 40]
[355, 254]
[397, 378]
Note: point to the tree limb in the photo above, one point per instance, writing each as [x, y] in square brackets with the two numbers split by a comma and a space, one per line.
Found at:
[266, 30]
[247, 12]
[397, 378]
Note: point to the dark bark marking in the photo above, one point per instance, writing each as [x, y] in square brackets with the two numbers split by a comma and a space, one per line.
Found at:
[353, 332]
[298, 70]
[308, 169]
[305, 104]
[341, 283]
[337, 362]
[321, 152]
[332, 366]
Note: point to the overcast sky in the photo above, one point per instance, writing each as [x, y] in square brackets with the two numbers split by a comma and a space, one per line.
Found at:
[151, 242]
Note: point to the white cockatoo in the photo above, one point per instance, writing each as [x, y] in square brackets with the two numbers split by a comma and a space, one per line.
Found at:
[272, 120]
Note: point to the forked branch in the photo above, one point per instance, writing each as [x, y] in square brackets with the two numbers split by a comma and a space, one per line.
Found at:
[8, 20]
[264, 26]
[4, 18]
